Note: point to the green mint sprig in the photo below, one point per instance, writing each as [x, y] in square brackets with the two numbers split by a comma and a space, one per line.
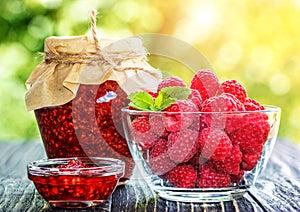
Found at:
[165, 98]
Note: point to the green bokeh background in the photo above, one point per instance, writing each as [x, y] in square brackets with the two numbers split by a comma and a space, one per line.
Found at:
[254, 41]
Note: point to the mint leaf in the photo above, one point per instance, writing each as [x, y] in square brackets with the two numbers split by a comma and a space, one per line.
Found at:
[163, 100]
[177, 92]
[158, 100]
[141, 100]
[138, 107]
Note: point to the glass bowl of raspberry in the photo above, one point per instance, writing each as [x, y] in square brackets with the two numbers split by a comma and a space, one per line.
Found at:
[78, 182]
[193, 146]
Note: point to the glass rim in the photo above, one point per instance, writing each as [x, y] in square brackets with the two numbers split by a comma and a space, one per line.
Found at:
[111, 166]
[268, 109]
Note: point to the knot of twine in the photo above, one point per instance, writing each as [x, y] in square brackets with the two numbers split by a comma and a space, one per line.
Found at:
[77, 58]
[112, 58]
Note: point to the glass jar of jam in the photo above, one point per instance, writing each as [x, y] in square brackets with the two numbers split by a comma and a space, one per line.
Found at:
[77, 95]
[87, 126]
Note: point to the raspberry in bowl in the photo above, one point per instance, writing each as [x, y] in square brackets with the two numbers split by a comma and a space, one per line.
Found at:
[206, 142]
[76, 182]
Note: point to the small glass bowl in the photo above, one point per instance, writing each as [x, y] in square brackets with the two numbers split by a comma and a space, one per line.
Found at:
[76, 187]
[201, 156]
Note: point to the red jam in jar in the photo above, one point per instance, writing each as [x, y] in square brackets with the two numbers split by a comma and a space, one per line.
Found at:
[90, 125]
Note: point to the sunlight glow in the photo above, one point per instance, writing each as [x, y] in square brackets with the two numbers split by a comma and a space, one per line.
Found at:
[199, 22]
[230, 54]
[51, 3]
[294, 117]
[296, 3]
[280, 84]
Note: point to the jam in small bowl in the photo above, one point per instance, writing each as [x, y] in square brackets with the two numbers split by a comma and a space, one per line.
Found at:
[76, 182]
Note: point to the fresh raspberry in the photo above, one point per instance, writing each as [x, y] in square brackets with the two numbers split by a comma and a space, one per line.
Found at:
[196, 98]
[215, 144]
[182, 145]
[165, 134]
[206, 82]
[185, 105]
[131, 108]
[251, 104]
[183, 176]
[172, 124]
[260, 119]
[233, 122]
[159, 148]
[153, 94]
[196, 159]
[233, 87]
[198, 123]
[157, 125]
[238, 177]
[239, 105]
[249, 149]
[233, 119]
[202, 122]
[231, 164]
[170, 81]
[250, 161]
[224, 103]
[252, 134]
[141, 124]
[178, 121]
[248, 138]
[144, 138]
[159, 161]
[209, 178]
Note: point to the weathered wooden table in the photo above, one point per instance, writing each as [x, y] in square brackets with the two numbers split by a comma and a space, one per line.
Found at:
[278, 189]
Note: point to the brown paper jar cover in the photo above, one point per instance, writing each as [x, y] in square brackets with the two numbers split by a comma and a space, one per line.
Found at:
[77, 93]
[71, 61]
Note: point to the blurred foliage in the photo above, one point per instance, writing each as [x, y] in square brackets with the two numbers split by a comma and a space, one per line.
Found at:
[254, 41]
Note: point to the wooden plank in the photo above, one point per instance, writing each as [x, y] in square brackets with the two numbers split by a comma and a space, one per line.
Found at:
[16, 156]
[149, 201]
[278, 189]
